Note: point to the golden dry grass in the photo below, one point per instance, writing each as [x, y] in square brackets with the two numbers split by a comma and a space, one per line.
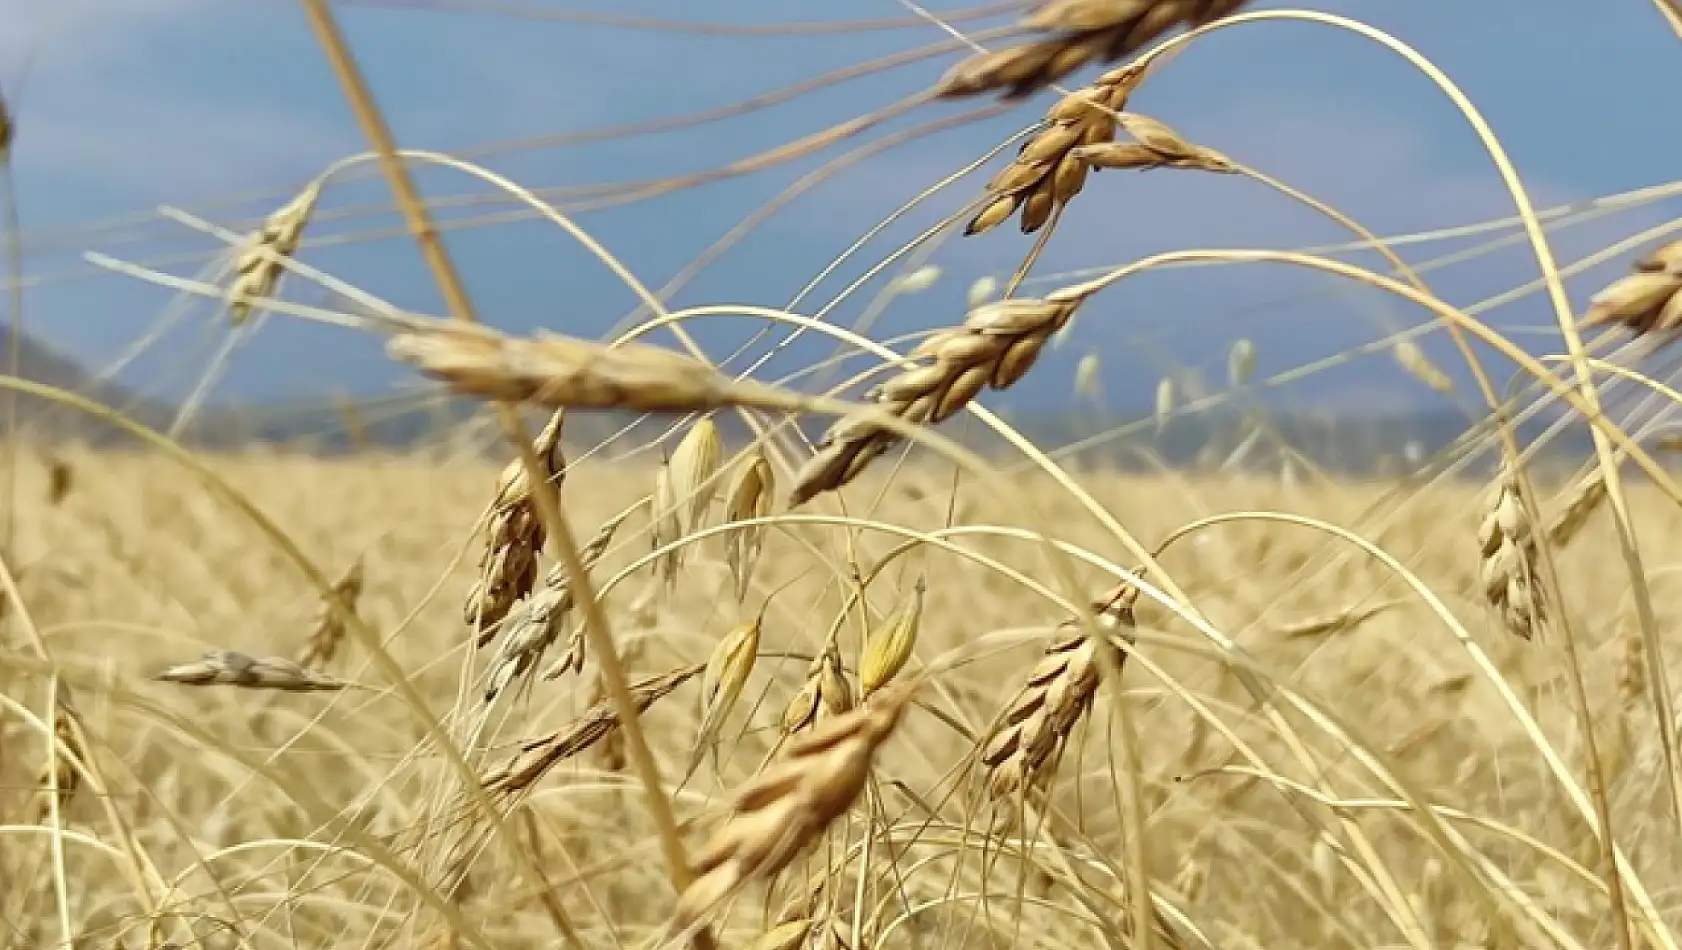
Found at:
[236, 799]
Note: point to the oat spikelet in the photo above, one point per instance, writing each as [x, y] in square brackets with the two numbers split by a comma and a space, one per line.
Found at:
[259, 269]
[330, 628]
[1045, 175]
[1648, 300]
[1080, 32]
[59, 770]
[1154, 145]
[1583, 502]
[890, 646]
[728, 669]
[1508, 541]
[683, 488]
[508, 568]
[996, 347]
[536, 622]
[782, 810]
[227, 668]
[537, 756]
[752, 488]
[823, 694]
[1058, 693]
[562, 372]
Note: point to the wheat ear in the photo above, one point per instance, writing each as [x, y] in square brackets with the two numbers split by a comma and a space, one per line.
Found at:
[996, 346]
[1649, 300]
[508, 568]
[1508, 545]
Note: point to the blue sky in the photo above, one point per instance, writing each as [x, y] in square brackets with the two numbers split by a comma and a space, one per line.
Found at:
[224, 107]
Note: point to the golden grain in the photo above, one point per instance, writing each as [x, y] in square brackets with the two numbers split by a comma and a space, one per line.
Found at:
[515, 535]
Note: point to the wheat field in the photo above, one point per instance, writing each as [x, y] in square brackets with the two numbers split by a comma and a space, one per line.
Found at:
[864, 683]
[232, 816]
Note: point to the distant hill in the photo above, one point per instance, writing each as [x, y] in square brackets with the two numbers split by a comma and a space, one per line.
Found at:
[1212, 438]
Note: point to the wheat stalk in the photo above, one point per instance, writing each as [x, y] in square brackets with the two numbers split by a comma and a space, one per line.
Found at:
[330, 626]
[1044, 175]
[508, 567]
[260, 266]
[1649, 300]
[782, 810]
[1509, 566]
[1081, 32]
[1035, 726]
[996, 346]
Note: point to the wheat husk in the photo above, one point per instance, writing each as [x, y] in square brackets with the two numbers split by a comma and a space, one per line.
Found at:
[1081, 32]
[995, 347]
[515, 535]
[750, 495]
[1154, 145]
[1034, 728]
[889, 647]
[228, 668]
[259, 268]
[1508, 545]
[330, 626]
[1648, 300]
[562, 372]
[778, 813]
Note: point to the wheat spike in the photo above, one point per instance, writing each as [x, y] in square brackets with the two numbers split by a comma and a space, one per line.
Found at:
[259, 269]
[1081, 32]
[228, 668]
[996, 346]
[1058, 693]
[782, 810]
[1649, 300]
[330, 626]
[536, 622]
[562, 372]
[508, 568]
[1045, 175]
[537, 756]
[1508, 545]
